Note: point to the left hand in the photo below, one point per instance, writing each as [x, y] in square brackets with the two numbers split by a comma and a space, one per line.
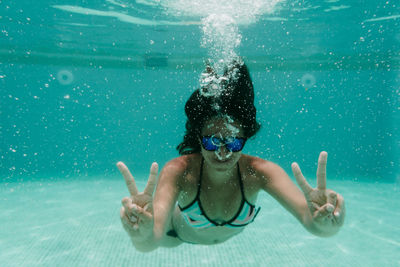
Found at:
[326, 206]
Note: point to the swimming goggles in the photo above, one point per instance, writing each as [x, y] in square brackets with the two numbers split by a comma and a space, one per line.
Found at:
[213, 143]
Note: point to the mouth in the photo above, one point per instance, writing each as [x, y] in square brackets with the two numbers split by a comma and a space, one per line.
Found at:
[222, 160]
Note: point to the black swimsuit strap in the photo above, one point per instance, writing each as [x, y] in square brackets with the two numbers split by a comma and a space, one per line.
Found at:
[199, 183]
[197, 198]
[201, 206]
[240, 181]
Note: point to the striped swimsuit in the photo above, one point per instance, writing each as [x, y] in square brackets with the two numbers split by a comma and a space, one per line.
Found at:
[195, 216]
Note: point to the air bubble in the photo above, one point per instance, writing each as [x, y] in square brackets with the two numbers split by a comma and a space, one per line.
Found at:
[308, 80]
[65, 77]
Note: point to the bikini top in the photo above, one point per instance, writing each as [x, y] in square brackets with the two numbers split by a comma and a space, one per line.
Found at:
[195, 216]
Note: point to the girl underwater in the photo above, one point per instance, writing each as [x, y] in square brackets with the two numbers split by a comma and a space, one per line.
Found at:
[208, 194]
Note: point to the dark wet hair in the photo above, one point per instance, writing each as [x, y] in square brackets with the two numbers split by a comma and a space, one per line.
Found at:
[235, 100]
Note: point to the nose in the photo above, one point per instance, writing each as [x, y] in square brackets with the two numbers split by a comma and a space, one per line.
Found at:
[223, 153]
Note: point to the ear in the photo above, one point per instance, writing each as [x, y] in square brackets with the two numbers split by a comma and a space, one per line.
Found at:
[201, 145]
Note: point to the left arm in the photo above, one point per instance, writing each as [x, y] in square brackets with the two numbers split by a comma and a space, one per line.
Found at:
[321, 211]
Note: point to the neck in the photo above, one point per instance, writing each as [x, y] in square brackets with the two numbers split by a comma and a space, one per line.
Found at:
[217, 177]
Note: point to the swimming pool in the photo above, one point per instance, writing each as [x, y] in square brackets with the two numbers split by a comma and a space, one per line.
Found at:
[76, 222]
[85, 85]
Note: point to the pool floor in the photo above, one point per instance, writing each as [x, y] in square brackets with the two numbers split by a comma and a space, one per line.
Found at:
[76, 223]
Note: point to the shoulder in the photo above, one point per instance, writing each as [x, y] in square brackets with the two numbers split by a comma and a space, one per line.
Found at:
[263, 170]
[181, 167]
[259, 165]
[182, 163]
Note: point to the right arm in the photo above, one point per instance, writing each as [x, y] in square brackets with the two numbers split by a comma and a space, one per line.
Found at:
[153, 216]
[166, 195]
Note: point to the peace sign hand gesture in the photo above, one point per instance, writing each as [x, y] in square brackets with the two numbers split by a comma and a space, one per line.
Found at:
[326, 206]
[137, 211]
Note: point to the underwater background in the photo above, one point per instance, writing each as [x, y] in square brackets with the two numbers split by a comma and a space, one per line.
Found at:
[85, 84]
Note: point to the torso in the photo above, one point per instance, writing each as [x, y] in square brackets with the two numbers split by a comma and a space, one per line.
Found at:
[219, 203]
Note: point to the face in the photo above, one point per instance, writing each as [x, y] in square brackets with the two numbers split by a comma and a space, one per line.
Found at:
[223, 129]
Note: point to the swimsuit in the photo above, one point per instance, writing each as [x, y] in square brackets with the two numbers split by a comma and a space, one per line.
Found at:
[195, 216]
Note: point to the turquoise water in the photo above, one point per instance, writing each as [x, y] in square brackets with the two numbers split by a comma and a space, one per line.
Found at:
[84, 85]
[76, 223]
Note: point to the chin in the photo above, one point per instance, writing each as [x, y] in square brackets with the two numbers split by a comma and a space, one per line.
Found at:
[223, 164]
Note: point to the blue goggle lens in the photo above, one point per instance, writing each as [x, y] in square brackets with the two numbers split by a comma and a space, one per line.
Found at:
[212, 143]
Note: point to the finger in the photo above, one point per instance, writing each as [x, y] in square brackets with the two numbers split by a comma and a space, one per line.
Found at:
[301, 181]
[314, 206]
[130, 182]
[339, 210]
[141, 214]
[148, 207]
[324, 212]
[127, 205]
[126, 201]
[321, 171]
[151, 183]
[332, 198]
[131, 209]
[127, 223]
[123, 217]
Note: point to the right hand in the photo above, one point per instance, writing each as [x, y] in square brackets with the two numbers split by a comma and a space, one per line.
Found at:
[137, 210]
